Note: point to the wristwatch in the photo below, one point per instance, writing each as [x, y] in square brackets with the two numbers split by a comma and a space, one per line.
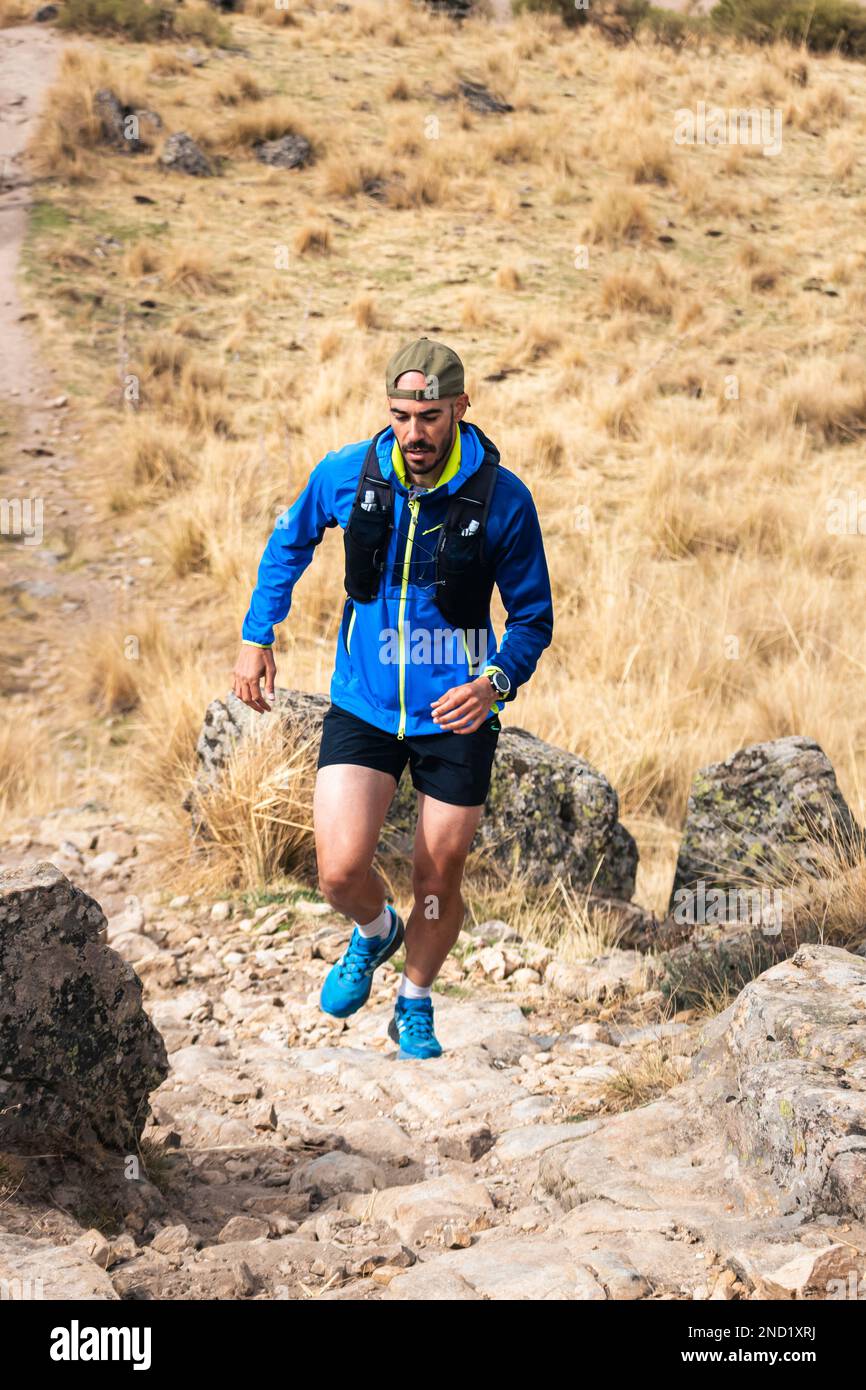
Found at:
[498, 679]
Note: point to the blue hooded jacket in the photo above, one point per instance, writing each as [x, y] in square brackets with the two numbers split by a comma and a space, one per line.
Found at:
[396, 654]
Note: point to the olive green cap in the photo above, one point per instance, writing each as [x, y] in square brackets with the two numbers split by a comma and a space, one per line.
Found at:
[440, 365]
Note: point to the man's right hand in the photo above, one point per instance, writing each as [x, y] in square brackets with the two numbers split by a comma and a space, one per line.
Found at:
[252, 664]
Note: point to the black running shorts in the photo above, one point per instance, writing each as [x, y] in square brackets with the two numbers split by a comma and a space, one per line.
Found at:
[449, 767]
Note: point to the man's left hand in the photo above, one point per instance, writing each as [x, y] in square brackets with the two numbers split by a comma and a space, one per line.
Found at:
[464, 708]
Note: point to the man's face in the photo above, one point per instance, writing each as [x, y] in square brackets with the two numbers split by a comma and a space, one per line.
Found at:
[424, 429]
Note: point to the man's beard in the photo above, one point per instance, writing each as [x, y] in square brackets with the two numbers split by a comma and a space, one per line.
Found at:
[422, 465]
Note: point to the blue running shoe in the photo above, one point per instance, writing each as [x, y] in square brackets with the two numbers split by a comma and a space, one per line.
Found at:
[412, 1028]
[349, 981]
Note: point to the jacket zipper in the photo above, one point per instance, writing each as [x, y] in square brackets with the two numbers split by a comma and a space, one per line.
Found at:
[414, 505]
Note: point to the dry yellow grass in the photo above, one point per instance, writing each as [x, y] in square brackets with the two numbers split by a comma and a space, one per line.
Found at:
[237, 86]
[14, 12]
[313, 239]
[257, 817]
[69, 128]
[684, 412]
[507, 278]
[266, 120]
[364, 312]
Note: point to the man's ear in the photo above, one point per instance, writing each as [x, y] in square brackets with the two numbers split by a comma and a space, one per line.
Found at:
[460, 406]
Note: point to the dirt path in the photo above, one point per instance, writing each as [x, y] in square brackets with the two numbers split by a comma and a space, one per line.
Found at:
[28, 61]
[49, 512]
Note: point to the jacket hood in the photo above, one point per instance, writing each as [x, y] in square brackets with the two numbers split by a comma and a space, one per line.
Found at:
[472, 445]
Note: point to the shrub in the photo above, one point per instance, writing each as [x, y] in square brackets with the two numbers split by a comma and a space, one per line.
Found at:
[819, 24]
[142, 22]
[668, 27]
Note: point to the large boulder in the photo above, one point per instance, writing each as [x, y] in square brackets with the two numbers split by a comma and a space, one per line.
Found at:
[755, 1161]
[37, 1269]
[78, 1054]
[785, 1069]
[549, 813]
[771, 812]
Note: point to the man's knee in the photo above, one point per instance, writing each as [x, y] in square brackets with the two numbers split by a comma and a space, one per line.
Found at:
[338, 882]
[438, 883]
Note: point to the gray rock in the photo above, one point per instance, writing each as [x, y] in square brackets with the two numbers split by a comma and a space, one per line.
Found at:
[617, 1276]
[548, 810]
[78, 1055]
[787, 1074]
[431, 1283]
[467, 1142]
[508, 1268]
[110, 111]
[381, 1140]
[45, 13]
[476, 95]
[507, 1047]
[172, 1240]
[182, 155]
[494, 930]
[419, 1211]
[827, 1272]
[531, 1140]
[124, 127]
[172, 1013]
[38, 1269]
[288, 152]
[759, 818]
[613, 976]
[530, 1108]
[336, 1172]
[242, 1227]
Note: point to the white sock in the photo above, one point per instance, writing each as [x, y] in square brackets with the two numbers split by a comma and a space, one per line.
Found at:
[408, 990]
[380, 926]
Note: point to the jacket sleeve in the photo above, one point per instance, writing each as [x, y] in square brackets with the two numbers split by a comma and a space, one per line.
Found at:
[524, 585]
[288, 553]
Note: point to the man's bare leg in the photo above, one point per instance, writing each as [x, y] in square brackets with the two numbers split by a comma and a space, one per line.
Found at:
[349, 807]
[443, 838]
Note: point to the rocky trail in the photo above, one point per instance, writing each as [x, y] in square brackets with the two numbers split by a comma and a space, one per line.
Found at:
[291, 1155]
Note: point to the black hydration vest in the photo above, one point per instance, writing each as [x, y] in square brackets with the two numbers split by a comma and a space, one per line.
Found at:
[463, 570]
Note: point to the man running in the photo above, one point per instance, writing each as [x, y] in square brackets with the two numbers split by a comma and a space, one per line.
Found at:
[431, 521]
